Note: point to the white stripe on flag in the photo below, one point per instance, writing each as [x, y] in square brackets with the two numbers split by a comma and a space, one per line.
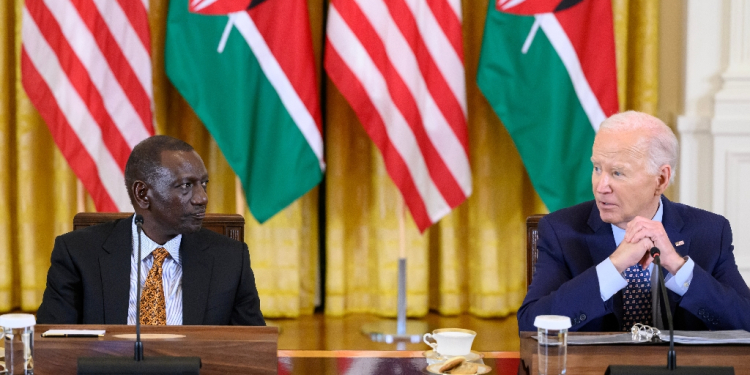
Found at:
[128, 41]
[343, 40]
[447, 60]
[456, 6]
[288, 95]
[564, 48]
[75, 111]
[402, 57]
[116, 102]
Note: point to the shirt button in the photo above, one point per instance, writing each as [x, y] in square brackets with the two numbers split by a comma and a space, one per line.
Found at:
[686, 285]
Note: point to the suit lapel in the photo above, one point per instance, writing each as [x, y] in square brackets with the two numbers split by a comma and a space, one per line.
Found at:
[673, 223]
[114, 265]
[601, 245]
[197, 264]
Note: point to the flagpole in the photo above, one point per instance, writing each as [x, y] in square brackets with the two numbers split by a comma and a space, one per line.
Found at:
[401, 331]
[401, 315]
[239, 199]
[80, 196]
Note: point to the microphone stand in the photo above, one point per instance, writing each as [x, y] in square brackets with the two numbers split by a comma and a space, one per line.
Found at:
[138, 343]
[671, 355]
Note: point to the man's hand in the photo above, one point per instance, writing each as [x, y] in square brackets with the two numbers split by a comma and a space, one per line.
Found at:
[641, 228]
[630, 253]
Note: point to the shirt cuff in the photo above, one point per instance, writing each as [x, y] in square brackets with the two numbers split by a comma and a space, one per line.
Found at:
[610, 281]
[680, 282]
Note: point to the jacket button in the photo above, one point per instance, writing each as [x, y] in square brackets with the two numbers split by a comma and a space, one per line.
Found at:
[702, 313]
[582, 317]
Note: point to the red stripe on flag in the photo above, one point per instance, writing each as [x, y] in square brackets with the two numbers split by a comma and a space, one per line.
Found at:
[70, 146]
[356, 95]
[436, 83]
[450, 23]
[138, 17]
[404, 101]
[116, 60]
[594, 43]
[291, 46]
[79, 78]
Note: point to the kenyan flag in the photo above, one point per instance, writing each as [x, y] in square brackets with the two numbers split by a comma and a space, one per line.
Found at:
[548, 69]
[246, 67]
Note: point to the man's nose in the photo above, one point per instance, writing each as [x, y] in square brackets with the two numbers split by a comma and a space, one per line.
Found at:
[602, 184]
[200, 198]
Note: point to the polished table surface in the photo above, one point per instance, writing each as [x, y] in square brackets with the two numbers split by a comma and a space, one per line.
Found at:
[334, 362]
[594, 359]
[234, 350]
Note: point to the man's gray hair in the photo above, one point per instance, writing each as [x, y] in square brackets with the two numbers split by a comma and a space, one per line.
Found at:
[662, 147]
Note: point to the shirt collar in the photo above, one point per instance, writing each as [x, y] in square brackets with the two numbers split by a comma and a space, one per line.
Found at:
[619, 233]
[148, 245]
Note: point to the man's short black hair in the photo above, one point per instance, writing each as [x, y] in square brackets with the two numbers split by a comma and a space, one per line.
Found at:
[145, 160]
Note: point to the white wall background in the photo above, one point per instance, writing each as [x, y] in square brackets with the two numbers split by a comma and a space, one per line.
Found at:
[714, 130]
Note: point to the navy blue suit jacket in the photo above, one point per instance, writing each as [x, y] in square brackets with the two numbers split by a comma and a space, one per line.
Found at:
[574, 240]
[89, 279]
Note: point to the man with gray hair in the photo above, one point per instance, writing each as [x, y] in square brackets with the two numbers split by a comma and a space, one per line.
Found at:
[594, 264]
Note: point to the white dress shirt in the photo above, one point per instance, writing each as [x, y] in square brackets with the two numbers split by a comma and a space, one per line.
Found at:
[171, 275]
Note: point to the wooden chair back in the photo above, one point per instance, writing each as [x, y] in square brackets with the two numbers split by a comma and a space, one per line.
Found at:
[532, 254]
[230, 225]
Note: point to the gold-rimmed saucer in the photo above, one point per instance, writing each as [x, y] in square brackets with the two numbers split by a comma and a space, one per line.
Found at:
[435, 356]
[481, 369]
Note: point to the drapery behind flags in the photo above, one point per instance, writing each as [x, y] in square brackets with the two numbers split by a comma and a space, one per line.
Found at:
[548, 69]
[86, 67]
[399, 64]
[250, 77]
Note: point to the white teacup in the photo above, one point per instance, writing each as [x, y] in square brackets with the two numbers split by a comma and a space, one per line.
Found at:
[451, 341]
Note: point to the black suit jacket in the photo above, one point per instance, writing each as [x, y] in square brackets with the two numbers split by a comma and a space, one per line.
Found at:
[89, 279]
[572, 241]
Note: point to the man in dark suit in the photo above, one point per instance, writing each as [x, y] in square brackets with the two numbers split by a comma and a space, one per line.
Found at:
[594, 264]
[192, 276]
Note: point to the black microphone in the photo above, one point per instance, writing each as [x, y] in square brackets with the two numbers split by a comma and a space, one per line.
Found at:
[141, 365]
[671, 356]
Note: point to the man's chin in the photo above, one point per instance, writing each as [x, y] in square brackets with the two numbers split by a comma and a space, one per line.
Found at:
[608, 218]
[192, 227]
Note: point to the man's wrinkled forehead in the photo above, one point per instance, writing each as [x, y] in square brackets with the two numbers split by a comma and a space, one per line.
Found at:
[620, 145]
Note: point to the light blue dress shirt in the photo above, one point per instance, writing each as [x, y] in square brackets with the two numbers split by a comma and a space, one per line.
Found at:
[171, 275]
[611, 281]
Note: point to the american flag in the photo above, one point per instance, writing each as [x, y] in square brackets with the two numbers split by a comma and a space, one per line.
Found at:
[399, 64]
[86, 67]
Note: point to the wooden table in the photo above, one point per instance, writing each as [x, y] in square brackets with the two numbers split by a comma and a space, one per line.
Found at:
[594, 359]
[234, 350]
[222, 349]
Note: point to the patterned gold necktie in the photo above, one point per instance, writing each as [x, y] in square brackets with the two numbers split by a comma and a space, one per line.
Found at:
[153, 305]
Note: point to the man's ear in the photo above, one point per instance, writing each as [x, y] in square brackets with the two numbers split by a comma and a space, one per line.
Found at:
[662, 180]
[140, 194]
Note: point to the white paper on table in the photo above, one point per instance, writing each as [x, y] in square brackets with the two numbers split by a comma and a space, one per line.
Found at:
[74, 333]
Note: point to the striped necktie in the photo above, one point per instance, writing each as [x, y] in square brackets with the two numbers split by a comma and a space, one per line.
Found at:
[153, 305]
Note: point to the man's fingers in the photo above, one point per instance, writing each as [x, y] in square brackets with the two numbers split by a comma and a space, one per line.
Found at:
[636, 234]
